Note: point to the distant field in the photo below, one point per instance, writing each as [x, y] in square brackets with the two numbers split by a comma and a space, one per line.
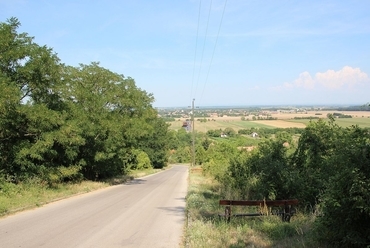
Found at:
[237, 124]
[221, 124]
[320, 114]
[285, 120]
[343, 122]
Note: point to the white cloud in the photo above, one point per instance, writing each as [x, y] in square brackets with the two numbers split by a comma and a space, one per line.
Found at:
[305, 80]
[347, 77]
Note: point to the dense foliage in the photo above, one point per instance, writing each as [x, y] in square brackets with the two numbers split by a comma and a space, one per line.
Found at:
[62, 123]
[327, 169]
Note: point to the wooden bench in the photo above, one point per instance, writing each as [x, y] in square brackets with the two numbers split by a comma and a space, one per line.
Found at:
[287, 210]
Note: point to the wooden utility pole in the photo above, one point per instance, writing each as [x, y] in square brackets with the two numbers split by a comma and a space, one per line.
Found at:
[193, 133]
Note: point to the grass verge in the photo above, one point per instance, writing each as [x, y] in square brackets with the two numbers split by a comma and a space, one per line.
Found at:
[204, 228]
[27, 195]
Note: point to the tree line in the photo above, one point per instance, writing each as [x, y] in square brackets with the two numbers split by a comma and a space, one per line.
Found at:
[64, 123]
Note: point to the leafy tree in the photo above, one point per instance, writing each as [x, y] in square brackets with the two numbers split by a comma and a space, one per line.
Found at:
[184, 137]
[182, 146]
[218, 157]
[206, 142]
[244, 131]
[265, 173]
[243, 180]
[142, 160]
[182, 155]
[60, 122]
[116, 119]
[346, 202]
[29, 73]
[200, 155]
[155, 144]
[172, 140]
[316, 144]
[229, 132]
[214, 133]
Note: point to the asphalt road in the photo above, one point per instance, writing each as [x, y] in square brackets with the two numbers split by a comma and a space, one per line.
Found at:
[147, 212]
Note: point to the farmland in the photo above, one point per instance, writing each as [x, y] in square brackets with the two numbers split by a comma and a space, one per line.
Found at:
[343, 122]
[279, 120]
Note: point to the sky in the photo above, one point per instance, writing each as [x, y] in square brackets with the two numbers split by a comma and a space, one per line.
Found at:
[217, 52]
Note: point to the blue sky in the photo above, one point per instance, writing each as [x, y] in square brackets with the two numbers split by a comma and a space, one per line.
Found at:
[239, 53]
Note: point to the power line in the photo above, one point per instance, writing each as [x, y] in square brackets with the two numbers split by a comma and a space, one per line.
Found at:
[196, 48]
[204, 44]
[193, 134]
[218, 33]
[214, 49]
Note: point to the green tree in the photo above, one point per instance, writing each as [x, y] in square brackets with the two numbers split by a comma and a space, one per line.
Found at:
[58, 121]
[265, 173]
[214, 133]
[218, 157]
[206, 142]
[155, 143]
[345, 201]
[30, 75]
[116, 118]
[229, 132]
[200, 155]
[316, 144]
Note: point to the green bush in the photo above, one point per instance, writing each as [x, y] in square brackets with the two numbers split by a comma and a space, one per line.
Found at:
[181, 155]
[346, 201]
[142, 160]
[7, 188]
[61, 174]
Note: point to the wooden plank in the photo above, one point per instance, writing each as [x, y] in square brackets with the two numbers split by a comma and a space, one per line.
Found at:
[259, 203]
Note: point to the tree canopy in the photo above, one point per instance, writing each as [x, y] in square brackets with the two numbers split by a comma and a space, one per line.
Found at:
[59, 122]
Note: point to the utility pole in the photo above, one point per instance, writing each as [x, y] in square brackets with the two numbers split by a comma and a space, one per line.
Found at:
[193, 133]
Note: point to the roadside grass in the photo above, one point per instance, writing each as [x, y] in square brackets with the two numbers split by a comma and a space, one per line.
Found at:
[34, 193]
[204, 228]
[27, 195]
[145, 172]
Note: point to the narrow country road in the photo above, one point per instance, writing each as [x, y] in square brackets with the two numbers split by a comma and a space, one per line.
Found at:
[147, 212]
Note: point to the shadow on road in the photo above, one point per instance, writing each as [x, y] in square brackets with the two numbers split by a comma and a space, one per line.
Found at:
[176, 211]
[135, 182]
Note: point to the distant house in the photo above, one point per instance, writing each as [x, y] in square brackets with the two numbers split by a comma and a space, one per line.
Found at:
[254, 135]
[186, 125]
[223, 135]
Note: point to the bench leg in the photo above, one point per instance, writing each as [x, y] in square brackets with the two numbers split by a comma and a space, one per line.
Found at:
[286, 217]
[228, 213]
[286, 214]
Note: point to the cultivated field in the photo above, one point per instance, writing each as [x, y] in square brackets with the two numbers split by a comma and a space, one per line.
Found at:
[321, 114]
[284, 120]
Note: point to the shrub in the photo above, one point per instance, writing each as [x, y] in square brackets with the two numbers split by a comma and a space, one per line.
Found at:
[61, 174]
[142, 159]
[346, 201]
